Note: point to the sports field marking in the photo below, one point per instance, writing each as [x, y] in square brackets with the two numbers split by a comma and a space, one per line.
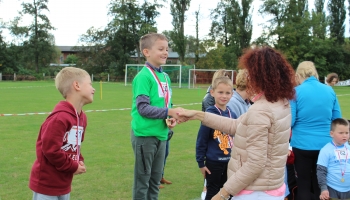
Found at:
[26, 87]
[343, 95]
[104, 110]
[86, 111]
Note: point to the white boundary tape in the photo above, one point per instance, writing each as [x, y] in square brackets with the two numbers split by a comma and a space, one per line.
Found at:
[105, 110]
[87, 111]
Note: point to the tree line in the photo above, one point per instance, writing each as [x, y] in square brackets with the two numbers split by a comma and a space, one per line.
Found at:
[300, 33]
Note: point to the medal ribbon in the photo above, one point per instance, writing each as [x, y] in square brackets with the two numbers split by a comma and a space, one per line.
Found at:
[165, 93]
[346, 159]
[78, 138]
[257, 96]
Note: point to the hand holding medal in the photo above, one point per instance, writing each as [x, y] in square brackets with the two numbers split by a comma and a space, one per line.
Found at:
[170, 122]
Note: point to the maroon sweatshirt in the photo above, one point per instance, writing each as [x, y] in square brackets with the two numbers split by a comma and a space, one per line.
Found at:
[56, 151]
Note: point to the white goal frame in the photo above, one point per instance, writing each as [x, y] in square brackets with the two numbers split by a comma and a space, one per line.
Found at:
[204, 70]
[143, 65]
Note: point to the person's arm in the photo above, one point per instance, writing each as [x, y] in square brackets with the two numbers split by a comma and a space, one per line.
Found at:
[258, 124]
[153, 112]
[336, 113]
[146, 110]
[322, 177]
[81, 157]
[293, 107]
[321, 170]
[202, 145]
[213, 121]
[51, 137]
[223, 124]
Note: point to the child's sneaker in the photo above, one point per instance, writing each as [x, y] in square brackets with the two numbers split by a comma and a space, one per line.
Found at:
[204, 193]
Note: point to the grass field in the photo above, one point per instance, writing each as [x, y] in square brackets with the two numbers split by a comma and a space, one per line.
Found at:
[106, 149]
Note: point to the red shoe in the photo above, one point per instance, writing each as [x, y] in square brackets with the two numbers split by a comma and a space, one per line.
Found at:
[161, 186]
[164, 181]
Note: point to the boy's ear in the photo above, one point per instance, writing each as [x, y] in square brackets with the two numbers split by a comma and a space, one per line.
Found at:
[145, 52]
[331, 133]
[76, 85]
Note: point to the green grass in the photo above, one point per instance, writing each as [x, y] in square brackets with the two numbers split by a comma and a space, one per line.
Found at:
[106, 149]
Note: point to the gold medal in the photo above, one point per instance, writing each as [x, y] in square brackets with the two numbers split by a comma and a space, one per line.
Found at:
[168, 122]
[342, 152]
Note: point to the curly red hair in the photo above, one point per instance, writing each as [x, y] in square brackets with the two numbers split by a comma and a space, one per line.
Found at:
[268, 72]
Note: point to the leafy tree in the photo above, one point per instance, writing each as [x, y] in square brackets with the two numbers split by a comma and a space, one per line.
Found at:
[147, 22]
[295, 34]
[345, 73]
[337, 18]
[213, 60]
[94, 55]
[319, 20]
[245, 26]
[130, 21]
[169, 34]
[349, 11]
[232, 27]
[336, 57]
[276, 9]
[6, 62]
[219, 30]
[177, 10]
[196, 50]
[290, 28]
[71, 59]
[240, 31]
[38, 44]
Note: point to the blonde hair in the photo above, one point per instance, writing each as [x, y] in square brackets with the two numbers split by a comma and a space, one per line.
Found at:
[224, 80]
[217, 74]
[306, 69]
[65, 78]
[147, 41]
[241, 80]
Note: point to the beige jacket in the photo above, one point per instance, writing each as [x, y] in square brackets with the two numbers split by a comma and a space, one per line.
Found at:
[260, 148]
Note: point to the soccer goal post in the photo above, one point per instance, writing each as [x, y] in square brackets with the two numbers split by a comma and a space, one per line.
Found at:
[174, 72]
[205, 76]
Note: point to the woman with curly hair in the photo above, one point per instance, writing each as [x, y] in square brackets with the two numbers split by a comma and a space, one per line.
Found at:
[259, 154]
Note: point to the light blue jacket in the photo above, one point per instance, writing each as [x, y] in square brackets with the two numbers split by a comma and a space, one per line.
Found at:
[313, 110]
[237, 104]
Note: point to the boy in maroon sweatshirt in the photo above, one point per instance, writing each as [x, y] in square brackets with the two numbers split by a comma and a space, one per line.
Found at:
[58, 155]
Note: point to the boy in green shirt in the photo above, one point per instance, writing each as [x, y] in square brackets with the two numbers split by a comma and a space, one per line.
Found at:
[151, 107]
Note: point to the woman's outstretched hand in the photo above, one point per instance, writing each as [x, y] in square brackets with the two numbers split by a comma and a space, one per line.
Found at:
[185, 115]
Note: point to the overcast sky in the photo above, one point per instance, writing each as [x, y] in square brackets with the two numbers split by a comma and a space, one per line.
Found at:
[72, 18]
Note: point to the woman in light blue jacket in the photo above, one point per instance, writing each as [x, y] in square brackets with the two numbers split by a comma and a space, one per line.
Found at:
[315, 106]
